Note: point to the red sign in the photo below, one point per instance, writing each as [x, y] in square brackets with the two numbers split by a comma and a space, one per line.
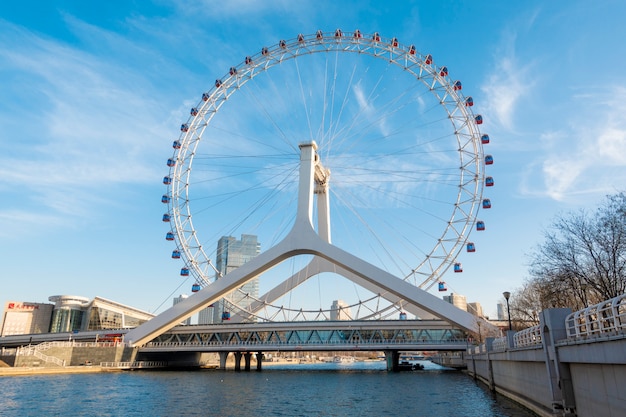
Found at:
[22, 306]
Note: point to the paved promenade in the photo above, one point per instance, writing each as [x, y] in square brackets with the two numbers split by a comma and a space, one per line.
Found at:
[21, 371]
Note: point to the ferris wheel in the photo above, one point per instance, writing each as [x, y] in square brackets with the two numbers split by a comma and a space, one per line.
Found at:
[399, 137]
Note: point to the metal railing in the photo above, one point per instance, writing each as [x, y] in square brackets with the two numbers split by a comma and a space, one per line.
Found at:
[499, 343]
[31, 351]
[528, 337]
[604, 319]
[134, 365]
[310, 342]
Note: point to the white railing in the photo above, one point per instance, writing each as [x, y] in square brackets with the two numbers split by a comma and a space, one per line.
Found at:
[604, 319]
[134, 365]
[528, 337]
[499, 343]
[31, 351]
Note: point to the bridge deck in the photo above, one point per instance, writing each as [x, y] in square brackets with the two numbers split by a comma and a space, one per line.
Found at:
[312, 336]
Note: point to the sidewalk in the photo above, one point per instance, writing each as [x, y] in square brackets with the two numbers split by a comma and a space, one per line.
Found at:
[20, 371]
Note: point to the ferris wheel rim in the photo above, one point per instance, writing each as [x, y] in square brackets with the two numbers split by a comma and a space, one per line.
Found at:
[470, 190]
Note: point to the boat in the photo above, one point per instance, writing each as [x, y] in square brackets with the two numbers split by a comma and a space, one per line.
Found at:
[409, 366]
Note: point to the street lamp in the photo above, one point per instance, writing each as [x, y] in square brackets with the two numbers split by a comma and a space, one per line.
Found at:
[508, 310]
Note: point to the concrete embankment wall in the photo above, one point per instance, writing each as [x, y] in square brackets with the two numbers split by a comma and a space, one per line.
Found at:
[76, 356]
[583, 378]
[521, 376]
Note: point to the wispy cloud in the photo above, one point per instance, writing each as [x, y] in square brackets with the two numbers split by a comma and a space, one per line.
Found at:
[506, 85]
[88, 124]
[588, 155]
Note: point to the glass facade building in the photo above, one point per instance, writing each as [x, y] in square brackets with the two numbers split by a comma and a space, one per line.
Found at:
[231, 254]
[73, 313]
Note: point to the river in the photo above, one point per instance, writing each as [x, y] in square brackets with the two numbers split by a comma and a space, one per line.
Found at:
[352, 389]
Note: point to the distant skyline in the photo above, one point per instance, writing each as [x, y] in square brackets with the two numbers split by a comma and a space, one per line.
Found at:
[94, 94]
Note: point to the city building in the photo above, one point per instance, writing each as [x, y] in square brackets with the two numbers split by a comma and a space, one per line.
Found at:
[475, 308]
[340, 311]
[502, 315]
[22, 317]
[177, 300]
[69, 313]
[456, 300]
[205, 316]
[231, 254]
[73, 313]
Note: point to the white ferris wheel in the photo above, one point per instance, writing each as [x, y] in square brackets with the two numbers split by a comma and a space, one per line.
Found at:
[399, 137]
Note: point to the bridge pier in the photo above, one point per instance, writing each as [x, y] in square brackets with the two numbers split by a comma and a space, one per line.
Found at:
[392, 357]
[259, 360]
[223, 357]
[238, 356]
[247, 358]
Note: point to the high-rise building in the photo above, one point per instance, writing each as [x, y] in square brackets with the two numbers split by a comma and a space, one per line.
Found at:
[205, 316]
[340, 311]
[177, 300]
[231, 254]
[502, 315]
[456, 300]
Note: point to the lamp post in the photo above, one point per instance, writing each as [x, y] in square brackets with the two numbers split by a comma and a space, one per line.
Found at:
[508, 310]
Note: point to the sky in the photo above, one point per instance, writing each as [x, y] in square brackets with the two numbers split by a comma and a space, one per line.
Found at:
[93, 94]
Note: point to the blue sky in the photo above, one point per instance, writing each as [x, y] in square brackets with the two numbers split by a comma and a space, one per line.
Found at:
[92, 96]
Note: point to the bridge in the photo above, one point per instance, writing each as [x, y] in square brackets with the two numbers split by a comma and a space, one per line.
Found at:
[303, 239]
[354, 335]
[244, 339]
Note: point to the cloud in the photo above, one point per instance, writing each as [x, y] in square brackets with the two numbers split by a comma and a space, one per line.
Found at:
[587, 156]
[78, 127]
[505, 87]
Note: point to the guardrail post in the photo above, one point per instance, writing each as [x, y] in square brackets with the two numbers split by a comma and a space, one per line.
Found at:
[510, 343]
[552, 322]
[489, 348]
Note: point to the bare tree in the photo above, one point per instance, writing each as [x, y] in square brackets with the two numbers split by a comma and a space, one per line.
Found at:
[583, 258]
[525, 304]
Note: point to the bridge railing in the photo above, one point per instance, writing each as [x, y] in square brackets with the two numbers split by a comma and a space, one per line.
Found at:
[309, 342]
[604, 319]
[134, 365]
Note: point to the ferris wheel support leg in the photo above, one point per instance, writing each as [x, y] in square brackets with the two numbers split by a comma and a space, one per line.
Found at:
[319, 265]
[301, 240]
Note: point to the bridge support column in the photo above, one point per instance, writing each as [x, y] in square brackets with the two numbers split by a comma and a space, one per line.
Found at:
[393, 360]
[238, 361]
[223, 357]
[247, 358]
[259, 360]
